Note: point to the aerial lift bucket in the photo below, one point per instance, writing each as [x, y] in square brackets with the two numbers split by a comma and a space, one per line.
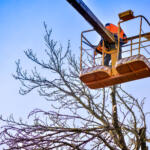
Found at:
[123, 70]
[133, 68]
[126, 69]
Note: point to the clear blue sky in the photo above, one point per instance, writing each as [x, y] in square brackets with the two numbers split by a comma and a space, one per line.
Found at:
[21, 28]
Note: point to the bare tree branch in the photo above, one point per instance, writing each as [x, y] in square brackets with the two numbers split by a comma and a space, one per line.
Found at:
[79, 118]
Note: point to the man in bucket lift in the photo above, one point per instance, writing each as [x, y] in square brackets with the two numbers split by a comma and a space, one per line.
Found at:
[114, 30]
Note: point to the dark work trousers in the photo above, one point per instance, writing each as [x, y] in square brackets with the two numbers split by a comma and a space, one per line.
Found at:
[107, 58]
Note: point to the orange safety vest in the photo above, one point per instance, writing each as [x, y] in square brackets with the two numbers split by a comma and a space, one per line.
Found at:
[114, 30]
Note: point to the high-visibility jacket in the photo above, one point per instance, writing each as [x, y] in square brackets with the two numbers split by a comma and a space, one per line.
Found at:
[114, 30]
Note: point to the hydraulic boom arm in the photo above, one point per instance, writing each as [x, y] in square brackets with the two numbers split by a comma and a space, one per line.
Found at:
[80, 6]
